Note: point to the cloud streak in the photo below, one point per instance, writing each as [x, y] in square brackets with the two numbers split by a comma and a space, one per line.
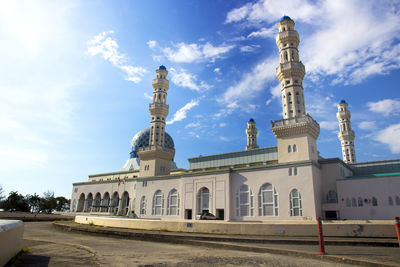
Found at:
[184, 79]
[107, 47]
[386, 107]
[181, 113]
[187, 53]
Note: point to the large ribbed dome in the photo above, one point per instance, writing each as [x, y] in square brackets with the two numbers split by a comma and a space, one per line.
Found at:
[141, 139]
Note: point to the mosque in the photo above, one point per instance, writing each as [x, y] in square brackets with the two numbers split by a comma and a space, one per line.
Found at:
[290, 181]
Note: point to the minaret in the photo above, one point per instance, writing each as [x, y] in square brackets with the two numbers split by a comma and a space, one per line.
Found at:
[156, 159]
[297, 132]
[290, 71]
[251, 133]
[346, 134]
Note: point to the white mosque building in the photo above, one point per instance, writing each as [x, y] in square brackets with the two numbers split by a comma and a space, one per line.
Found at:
[287, 182]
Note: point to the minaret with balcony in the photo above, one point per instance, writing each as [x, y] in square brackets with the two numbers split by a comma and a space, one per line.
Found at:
[297, 132]
[251, 133]
[155, 159]
[346, 134]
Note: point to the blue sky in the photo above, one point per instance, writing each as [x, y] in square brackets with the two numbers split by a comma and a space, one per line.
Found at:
[75, 80]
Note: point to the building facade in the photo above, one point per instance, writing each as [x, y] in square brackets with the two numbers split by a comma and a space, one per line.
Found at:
[287, 182]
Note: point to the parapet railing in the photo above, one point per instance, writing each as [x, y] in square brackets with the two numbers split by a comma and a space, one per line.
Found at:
[291, 121]
[286, 34]
[289, 65]
[158, 105]
[148, 148]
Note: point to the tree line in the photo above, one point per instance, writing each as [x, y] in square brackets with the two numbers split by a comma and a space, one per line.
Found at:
[33, 203]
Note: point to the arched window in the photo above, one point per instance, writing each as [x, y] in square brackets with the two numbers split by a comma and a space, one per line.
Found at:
[331, 197]
[173, 203]
[397, 200]
[290, 171]
[285, 56]
[289, 148]
[390, 200]
[294, 148]
[244, 201]
[374, 201]
[143, 205]
[353, 202]
[360, 202]
[267, 201]
[295, 171]
[204, 199]
[158, 203]
[296, 208]
[348, 202]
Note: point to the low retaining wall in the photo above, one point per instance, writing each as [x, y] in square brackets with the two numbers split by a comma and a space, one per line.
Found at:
[11, 232]
[281, 228]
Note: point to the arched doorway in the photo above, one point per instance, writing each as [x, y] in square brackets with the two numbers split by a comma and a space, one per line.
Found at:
[125, 203]
[106, 202]
[97, 202]
[114, 203]
[203, 200]
[89, 202]
[81, 203]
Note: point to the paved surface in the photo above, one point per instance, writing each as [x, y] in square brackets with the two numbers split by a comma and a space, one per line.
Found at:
[50, 246]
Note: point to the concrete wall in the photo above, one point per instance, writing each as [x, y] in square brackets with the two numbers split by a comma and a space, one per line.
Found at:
[367, 188]
[285, 228]
[188, 189]
[11, 232]
[284, 184]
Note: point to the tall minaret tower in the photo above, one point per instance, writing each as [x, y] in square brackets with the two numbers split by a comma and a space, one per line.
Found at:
[155, 159]
[346, 134]
[290, 71]
[297, 132]
[251, 133]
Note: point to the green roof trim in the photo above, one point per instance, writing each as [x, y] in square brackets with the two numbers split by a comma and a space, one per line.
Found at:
[375, 175]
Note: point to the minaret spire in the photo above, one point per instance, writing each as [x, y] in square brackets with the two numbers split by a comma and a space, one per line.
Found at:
[290, 71]
[251, 133]
[155, 159]
[346, 134]
[159, 108]
[297, 132]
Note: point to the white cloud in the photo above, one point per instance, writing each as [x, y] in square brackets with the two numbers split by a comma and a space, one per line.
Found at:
[187, 53]
[193, 125]
[152, 43]
[181, 113]
[222, 124]
[390, 137]
[157, 58]
[108, 48]
[264, 33]
[238, 14]
[270, 11]
[217, 70]
[249, 48]
[252, 82]
[147, 96]
[185, 79]
[329, 125]
[356, 40]
[223, 138]
[194, 134]
[367, 125]
[386, 107]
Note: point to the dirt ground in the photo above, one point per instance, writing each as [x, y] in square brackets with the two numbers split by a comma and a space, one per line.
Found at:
[49, 246]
